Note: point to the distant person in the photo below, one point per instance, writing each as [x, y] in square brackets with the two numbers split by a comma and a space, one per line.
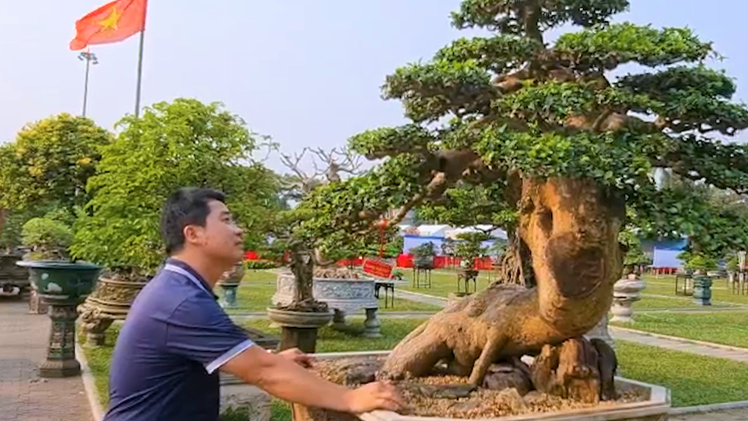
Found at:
[176, 336]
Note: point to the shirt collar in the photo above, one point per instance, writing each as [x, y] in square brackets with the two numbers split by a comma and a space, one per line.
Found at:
[180, 264]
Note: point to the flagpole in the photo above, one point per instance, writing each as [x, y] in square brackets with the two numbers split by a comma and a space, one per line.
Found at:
[140, 73]
[140, 62]
[90, 59]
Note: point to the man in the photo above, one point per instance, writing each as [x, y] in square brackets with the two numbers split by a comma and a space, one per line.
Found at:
[176, 337]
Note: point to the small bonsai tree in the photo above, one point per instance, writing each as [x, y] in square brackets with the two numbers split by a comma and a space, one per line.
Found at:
[635, 257]
[470, 247]
[423, 255]
[47, 238]
[700, 263]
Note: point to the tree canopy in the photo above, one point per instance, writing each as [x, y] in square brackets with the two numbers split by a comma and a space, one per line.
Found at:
[50, 162]
[178, 144]
[488, 112]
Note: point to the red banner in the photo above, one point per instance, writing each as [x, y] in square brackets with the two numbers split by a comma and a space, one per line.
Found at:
[377, 268]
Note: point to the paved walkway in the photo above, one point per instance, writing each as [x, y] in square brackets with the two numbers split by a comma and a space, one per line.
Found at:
[23, 395]
[678, 344]
[732, 415]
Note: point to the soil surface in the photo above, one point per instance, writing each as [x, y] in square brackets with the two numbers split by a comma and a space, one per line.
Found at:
[448, 396]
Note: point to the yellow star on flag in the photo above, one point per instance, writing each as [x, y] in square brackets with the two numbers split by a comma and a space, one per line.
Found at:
[110, 22]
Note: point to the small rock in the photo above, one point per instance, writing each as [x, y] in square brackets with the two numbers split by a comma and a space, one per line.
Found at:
[513, 399]
[505, 376]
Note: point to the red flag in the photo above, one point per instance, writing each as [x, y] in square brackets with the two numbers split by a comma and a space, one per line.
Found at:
[112, 22]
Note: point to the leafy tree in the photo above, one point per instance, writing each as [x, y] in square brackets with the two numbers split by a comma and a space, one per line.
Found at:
[172, 145]
[536, 137]
[50, 162]
[496, 119]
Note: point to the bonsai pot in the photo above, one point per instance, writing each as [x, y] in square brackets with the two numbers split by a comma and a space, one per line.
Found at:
[424, 262]
[299, 328]
[702, 289]
[229, 285]
[110, 300]
[62, 285]
[13, 277]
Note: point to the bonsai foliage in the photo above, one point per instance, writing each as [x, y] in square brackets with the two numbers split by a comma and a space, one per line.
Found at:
[714, 220]
[698, 261]
[173, 145]
[470, 247]
[536, 137]
[632, 244]
[48, 238]
[50, 162]
[492, 118]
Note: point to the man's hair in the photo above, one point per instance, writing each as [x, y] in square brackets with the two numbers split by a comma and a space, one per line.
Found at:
[186, 206]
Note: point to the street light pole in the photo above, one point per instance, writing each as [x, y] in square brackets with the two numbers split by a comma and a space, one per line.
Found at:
[89, 58]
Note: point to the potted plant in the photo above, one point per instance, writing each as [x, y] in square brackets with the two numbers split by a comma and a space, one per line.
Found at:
[702, 283]
[229, 283]
[423, 256]
[62, 283]
[14, 279]
[171, 145]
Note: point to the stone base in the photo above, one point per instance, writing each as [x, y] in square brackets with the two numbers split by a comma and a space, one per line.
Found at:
[37, 305]
[304, 338]
[245, 399]
[55, 369]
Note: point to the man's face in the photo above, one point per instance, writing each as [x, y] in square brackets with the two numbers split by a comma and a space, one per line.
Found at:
[222, 239]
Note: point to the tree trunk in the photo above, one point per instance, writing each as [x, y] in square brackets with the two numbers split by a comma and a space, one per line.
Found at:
[302, 266]
[570, 228]
[515, 266]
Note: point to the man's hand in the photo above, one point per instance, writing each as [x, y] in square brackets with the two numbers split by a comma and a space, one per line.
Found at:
[300, 358]
[373, 396]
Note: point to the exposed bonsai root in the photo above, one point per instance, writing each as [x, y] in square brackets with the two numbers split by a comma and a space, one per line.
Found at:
[308, 305]
[576, 369]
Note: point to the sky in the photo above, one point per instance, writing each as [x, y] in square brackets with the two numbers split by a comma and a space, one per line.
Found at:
[306, 73]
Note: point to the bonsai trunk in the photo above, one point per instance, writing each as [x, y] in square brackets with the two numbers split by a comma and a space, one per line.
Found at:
[301, 319]
[570, 229]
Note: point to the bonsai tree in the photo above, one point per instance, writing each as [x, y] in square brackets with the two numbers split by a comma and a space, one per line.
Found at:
[48, 239]
[698, 262]
[448, 249]
[424, 255]
[538, 138]
[172, 145]
[329, 169]
[470, 247]
[635, 257]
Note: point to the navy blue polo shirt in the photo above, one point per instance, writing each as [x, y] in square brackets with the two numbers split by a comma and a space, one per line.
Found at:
[174, 339]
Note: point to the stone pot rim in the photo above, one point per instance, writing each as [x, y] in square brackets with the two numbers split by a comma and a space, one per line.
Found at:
[58, 265]
[305, 319]
[107, 279]
[658, 403]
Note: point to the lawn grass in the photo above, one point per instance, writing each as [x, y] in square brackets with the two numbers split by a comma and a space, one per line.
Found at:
[721, 292]
[332, 340]
[256, 290]
[692, 379]
[726, 328]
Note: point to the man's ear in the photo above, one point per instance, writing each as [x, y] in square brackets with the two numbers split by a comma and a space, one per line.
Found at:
[193, 235]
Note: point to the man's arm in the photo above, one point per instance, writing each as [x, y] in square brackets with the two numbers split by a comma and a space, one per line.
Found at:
[287, 380]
